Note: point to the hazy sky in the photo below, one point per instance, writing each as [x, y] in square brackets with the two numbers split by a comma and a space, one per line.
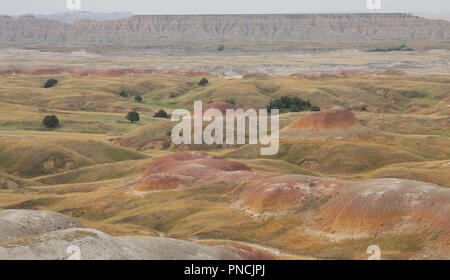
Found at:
[16, 7]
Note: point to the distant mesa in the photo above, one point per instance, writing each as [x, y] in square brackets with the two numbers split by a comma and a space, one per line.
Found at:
[338, 118]
[180, 169]
[144, 29]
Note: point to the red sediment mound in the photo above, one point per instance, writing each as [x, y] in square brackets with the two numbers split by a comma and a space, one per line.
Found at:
[371, 206]
[324, 120]
[389, 205]
[283, 192]
[180, 169]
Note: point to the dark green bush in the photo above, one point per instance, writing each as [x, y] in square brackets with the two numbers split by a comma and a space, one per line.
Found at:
[203, 82]
[123, 93]
[161, 114]
[50, 83]
[138, 98]
[290, 104]
[132, 116]
[51, 121]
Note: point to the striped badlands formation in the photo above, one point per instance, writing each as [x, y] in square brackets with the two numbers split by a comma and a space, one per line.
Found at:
[330, 119]
[111, 73]
[181, 169]
[390, 206]
[337, 122]
[144, 29]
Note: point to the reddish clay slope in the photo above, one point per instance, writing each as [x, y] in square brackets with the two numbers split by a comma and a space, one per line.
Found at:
[180, 169]
[374, 206]
[324, 120]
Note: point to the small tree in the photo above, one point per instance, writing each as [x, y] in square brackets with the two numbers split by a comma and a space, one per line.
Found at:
[231, 101]
[50, 83]
[132, 116]
[161, 114]
[51, 121]
[203, 82]
[123, 93]
[138, 98]
[221, 48]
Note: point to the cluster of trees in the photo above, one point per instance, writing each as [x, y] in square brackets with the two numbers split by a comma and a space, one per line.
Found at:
[291, 104]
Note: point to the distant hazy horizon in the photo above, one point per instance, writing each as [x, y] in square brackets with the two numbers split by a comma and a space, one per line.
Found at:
[141, 7]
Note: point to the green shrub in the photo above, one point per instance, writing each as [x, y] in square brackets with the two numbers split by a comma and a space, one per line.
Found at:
[231, 101]
[50, 83]
[51, 121]
[173, 95]
[412, 94]
[315, 108]
[221, 48]
[138, 98]
[132, 116]
[123, 93]
[161, 114]
[203, 82]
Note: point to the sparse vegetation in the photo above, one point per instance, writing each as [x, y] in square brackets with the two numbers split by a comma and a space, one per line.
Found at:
[221, 48]
[402, 47]
[231, 101]
[412, 94]
[123, 93]
[51, 121]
